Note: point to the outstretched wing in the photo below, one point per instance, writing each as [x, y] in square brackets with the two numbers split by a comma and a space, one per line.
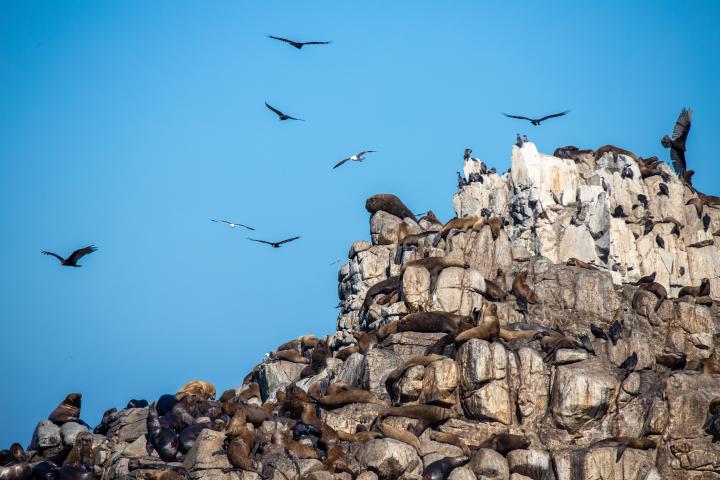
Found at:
[246, 226]
[54, 255]
[365, 152]
[678, 160]
[316, 43]
[81, 252]
[287, 240]
[260, 241]
[682, 127]
[273, 109]
[518, 116]
[341, 162]
[293, 118]
[281, 39]
[554, 115]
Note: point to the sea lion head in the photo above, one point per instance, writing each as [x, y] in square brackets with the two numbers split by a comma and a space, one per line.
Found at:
[73, 399]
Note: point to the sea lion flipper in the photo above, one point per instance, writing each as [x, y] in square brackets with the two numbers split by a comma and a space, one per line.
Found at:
[620, 450]
[149, 446]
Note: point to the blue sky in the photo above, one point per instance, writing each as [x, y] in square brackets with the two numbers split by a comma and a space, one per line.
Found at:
[129, 125]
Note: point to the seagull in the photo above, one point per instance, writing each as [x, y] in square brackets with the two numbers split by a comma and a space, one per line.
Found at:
[536, 121]
[295, 44]
[676, 144]
[280, 114]
[274, 244]
[231, 224]
[358, 157]
[72, 260]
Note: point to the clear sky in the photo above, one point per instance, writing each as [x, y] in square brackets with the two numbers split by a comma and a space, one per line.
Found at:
[129, 125]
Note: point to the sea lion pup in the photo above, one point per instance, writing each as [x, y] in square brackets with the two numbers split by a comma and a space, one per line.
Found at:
[434, 265]
[673, 361]
[550, 344]
[161, 475]
[336, 460]
[239, 442]
[68, 410]
[440, 469]
[79, 463]
[711, 365]
[385, 287]
[388, 203]
[451, 439]
[522, 291]
[408, 241]
[570, 152]
[427, 322]
[504, 443]
[164, 440]
[614, 150]
[487, 329]
[364, 341]
[202, 389]
[712, 424]
[290, 356]
[495, 290]
[339, 398]
[13, 464]
[300, 450]
[471, 223]
[575, 262]
[623, 443]
[628, 365]
[318, 358]
[656, 289]
[525, 331]
[401, 435]
[430, 218]
[397, 374]
[109, 416]
[702, 291]
[429, 415]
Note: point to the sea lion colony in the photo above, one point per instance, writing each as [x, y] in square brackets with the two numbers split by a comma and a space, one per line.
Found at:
[291, 428]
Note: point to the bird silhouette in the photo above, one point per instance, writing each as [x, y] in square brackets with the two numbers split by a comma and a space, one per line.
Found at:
[232, 224]
[358, 157]
[537, 121]
[72, 260]
[676, 143]
[274, 244]
[295, 44]
[280, 114]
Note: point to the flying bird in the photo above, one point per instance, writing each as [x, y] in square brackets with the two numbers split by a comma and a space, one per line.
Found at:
[537, 121]
[280, 114]
[358, 157]
[295, 44]
[676, 144]
[231, 224]
[274, 244]
[72, 260]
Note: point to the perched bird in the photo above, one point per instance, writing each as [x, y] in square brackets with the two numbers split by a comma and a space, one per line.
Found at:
[280, 114]
[629, 365]
[72, 260]
[706, 222]
[537, 121]
[676, 144]
[358, 157]
[663, 190]
[231, 224]
[615, 331]
[619, 212]
[274, 244]
[587, 345]
[627, 172]
[660, 242]
[598, 332]
[473, 168]
[525, 139]
[295, 44]
[643, 200]
[518, 140]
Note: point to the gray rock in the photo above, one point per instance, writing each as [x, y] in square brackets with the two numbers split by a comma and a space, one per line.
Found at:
[390, 459]
[70, 431]
[46, 435]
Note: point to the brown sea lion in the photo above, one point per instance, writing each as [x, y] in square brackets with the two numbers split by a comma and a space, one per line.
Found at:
[504, 443]
[429, 415]
[407, 241]
[388, 203]
[623, 443]
[318, 357]
[13, 464]
[253, 390]
[68, 410]
[336, 460]
[496, 224]
[199, 388]
[522, 291]
[364, 341]
[487, 329]
[440, 469]
[645, 280]
[340, 398]
[673, 361]
[161, 475]
[81, 453]
[554, 342]
[300, 449]
[711, 365]
[570, 152]
[701, 291]
[109, 416]
[614, 150]
[523, 330]
[164, 440]
[430, 218]
[385, 287]
[472, 223]
[428, 322]
[658, 290]
[397, 374]
[401, 435]
[434, 265]
[575, 262]
[495, 290]
[290, 356]
[451, 439]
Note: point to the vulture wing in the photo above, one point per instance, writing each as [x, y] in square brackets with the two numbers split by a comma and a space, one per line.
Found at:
[81, 252]
[260, 241]
[682, 127]
[518, 116]
[287, 240]
[554, 115]
[678, 160]
[281, 39]
[54, 255]
[315, 43]
[273, 109]
[341, 162]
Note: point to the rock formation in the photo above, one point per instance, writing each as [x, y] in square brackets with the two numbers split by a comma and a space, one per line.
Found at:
[540, 398]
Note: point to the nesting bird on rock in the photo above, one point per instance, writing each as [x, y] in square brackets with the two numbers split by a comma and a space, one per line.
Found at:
[473, 168]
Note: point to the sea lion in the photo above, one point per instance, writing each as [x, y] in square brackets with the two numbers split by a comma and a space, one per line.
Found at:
[47, 470]
[401, 435]
[109, 416]
[189, 434]
[408, 241]
[301, 450]
[290, 356]
[504, 443]
[451, 439]
[165, 403]
[434, 265]
[522, 291]
[428, 322]
[472, 223]
[337, 399]
[162, 475]
[239, 442]
[134, 403]
[318, 357]
[13, 464]
[202, 389]
[523, 330]
[701, 291]
[430, 218]
[164, 440]
[550, 344]
[570, 152]
[68, 410]
[673, 361]
[614, 150]
[575, 262]
[495, 290]
[362, 346]
[385, 287]
[712, 424]
[487, 329]
[429, 415]
[388, 203]
[336, 460]
[628, 365]
[702, 243]
[397, 374]
[79, 463]
[658, 290]
[623, 443]
[440, 469]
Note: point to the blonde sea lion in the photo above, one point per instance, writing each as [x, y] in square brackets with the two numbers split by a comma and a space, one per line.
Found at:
[523, 330]
[290, 356]
[471, 223]
[487, 329]
[451, 439]
[202, 389]
[400, 435]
